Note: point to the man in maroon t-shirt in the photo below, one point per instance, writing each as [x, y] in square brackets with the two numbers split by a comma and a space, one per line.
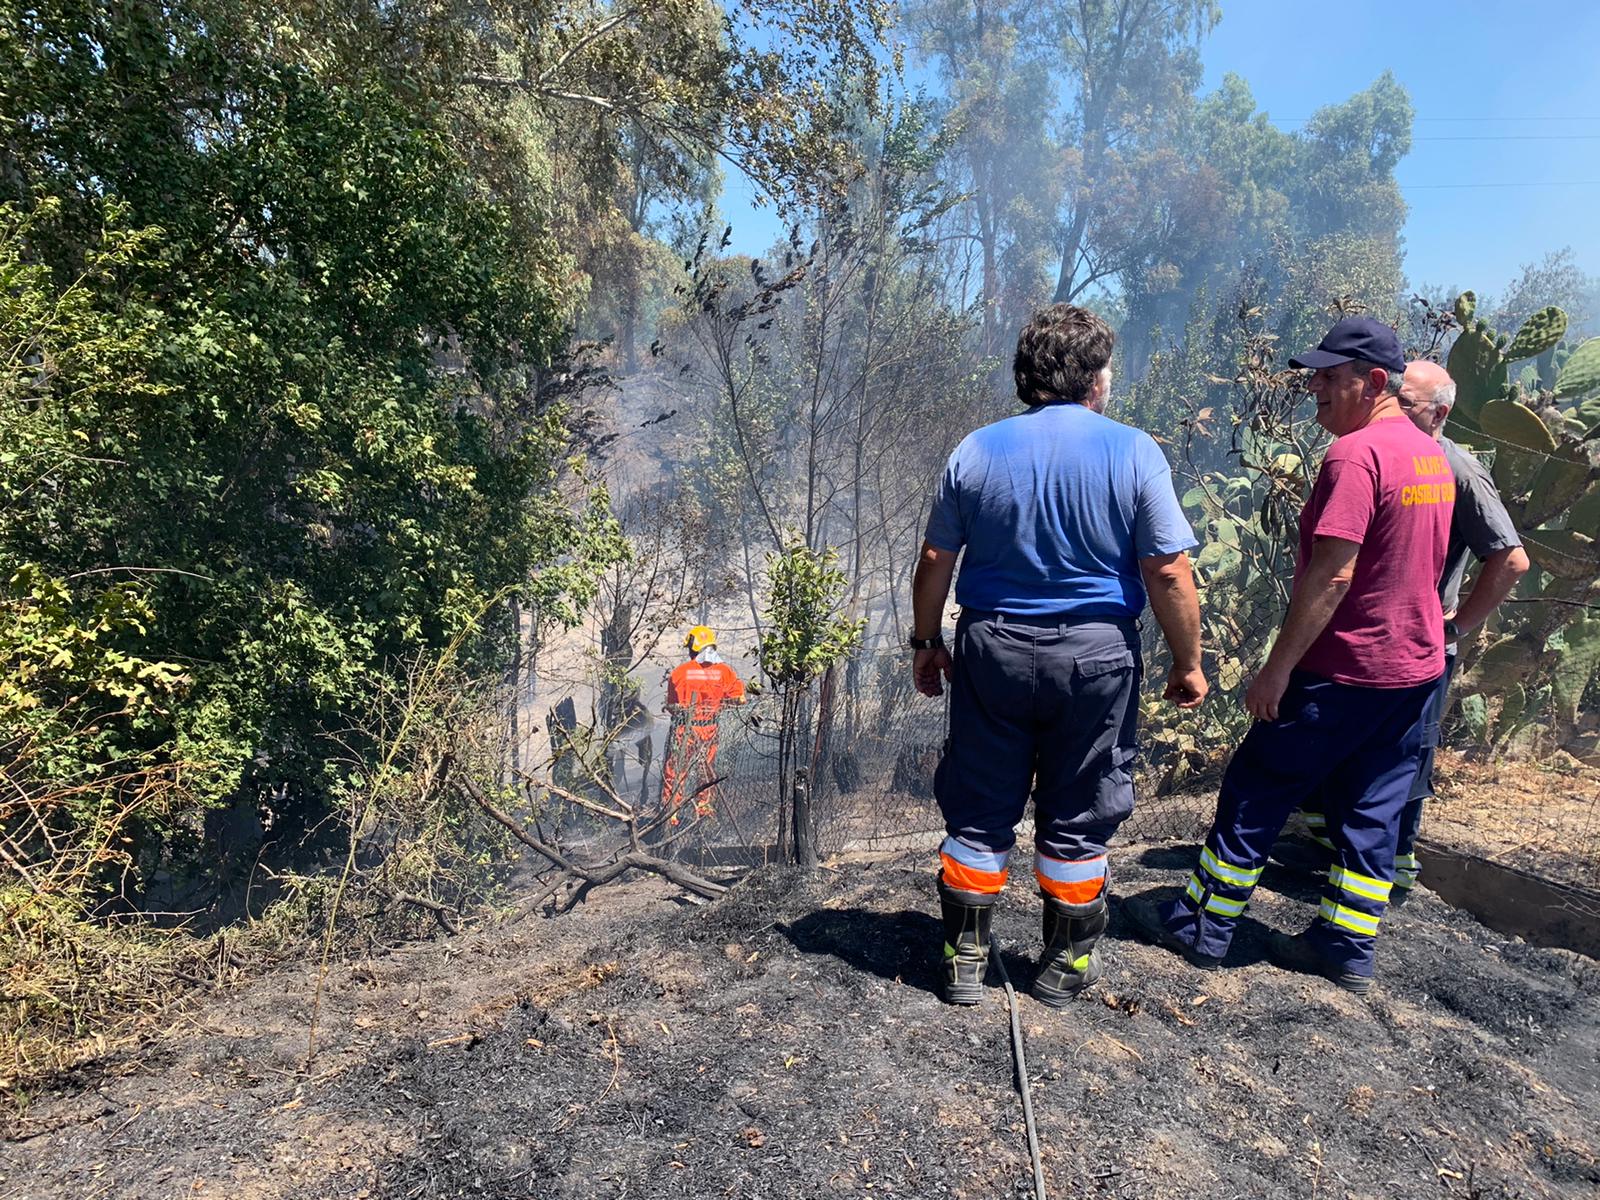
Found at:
[1339, 704]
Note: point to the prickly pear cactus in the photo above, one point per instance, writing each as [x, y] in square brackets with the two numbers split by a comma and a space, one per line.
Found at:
[1585, 510]
[1479, 370]
[1543, 433]
[1580, 376]
[1515, 424]
[1539, 333]
[1556, 484]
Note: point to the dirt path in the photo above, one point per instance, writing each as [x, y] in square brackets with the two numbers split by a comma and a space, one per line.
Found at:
[786, 1042]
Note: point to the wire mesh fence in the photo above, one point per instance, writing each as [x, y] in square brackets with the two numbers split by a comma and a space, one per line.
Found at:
[1513, 786]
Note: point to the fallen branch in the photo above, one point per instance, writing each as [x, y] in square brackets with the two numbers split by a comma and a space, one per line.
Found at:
[441, 913]
[561, 881]
[580, 801]
[598, 873]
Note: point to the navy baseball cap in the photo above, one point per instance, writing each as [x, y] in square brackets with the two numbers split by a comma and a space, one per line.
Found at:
[1356, 338]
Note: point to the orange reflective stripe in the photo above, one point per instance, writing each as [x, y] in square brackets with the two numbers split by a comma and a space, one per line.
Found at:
[969, 879]
[1071, 891]
[1073, 881]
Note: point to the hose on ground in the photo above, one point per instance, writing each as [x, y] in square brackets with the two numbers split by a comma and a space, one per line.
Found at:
[1020, 1054]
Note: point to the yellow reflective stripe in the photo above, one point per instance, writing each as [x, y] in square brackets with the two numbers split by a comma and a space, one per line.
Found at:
[1406, 871]
[1349, 918]
[1220, 905]
[1238, 876]
[1325, 843]
[1358, 884]
[1316, 820]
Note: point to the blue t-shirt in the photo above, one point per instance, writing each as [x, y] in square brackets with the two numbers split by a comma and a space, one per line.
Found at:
[1056, 506]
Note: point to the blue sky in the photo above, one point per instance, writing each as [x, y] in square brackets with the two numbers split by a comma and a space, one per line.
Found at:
[1524, 75]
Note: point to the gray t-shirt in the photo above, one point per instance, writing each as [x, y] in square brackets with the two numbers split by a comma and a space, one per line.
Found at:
[1479, 523]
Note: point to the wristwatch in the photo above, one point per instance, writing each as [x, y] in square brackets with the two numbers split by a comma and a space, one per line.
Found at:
[936, 642]
[1452, 631]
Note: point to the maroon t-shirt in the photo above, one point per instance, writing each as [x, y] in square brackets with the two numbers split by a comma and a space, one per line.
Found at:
[1388, 487]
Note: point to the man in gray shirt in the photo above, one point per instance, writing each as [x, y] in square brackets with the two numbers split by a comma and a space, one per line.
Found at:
[1481, 525]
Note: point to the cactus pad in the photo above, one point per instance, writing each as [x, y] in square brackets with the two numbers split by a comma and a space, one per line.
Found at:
[1575, 667]
[1539, 333]
[1466, 305]
[1516, 425]
[1587, 418]
[1581, 373]
[1559, 481]
[1563, 552]
[1503, 665]
[1479, 371]
[1584, 515]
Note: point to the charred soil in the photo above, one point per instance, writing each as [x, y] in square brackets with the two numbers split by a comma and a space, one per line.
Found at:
[788, 1040]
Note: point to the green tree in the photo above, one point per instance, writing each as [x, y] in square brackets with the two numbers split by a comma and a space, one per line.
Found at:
[1130, 68]
[806, 635]
[278, 357]
[997, 108]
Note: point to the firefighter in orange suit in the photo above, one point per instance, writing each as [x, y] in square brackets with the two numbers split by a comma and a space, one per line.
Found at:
[696, 692]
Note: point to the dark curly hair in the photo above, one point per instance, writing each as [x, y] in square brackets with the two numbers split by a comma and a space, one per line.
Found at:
[1059, 354]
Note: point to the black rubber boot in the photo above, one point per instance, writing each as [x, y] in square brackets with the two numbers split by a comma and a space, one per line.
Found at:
[1071, 958]
[1144, 914]
[966, 942]
[1298, 954]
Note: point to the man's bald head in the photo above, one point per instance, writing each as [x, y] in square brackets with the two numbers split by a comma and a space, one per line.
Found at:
[1427, 395]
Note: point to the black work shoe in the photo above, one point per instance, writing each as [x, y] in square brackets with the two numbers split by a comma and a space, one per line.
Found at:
[1307, 858]
[1144, 915]
[1400, 895]
[1298, 954]
[1071, 958]
[1059, 984]
[966, 917]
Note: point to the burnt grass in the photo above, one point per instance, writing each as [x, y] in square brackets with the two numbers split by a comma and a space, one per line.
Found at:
[788, 1041]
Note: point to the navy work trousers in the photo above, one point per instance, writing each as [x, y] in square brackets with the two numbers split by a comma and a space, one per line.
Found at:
[1046, 708]
[1406, 868]
[1360, 746]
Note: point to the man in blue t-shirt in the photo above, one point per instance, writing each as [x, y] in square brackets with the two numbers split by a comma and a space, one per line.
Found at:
[1067, 521]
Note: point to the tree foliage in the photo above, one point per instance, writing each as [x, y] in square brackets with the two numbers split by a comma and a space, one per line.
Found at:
[278, 405]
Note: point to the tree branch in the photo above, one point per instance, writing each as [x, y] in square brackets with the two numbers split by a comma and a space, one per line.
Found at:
[596, 874]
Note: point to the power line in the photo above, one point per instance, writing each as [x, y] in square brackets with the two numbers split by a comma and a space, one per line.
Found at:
[1531, 183]
[1469, 120]
[1510, 137]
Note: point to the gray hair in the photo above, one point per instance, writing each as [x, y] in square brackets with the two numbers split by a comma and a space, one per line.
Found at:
[1396, 379]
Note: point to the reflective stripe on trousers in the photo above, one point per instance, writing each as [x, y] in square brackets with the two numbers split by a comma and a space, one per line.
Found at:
[1072, 882]
[972, 869]
[1355, 748]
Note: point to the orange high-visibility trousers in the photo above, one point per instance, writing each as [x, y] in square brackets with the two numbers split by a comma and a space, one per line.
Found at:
[700, 689]
[690, 764]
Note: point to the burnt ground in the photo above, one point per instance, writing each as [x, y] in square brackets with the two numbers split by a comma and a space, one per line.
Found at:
[786, 1041]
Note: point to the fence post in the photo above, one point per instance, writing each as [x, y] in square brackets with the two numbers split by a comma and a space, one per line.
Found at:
[805, 828]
